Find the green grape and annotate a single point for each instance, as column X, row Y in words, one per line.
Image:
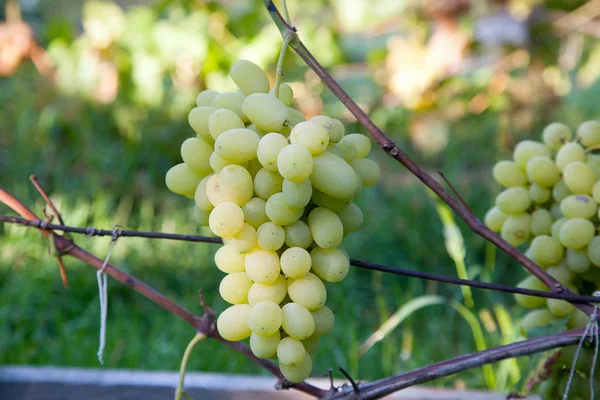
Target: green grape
column 508, row 174
column 561, row 272
column 269, row 148
column 335, row 127
column 262, row 266
column 532, row 283
column 576, row 233
column 578, row 206
column 593, row 251
column 196, row 153
column 546, row 250
column 200, row 196
column 559, row 308
column 596, row 192
column 265, row 318
column 541, row 222
column 254, row 212
column 528, row 149
column 295, row 163
column 560, row 191
column 235, row 184
column 529, row 254
column 568, row 154
column 555, row 211
column 290, row 352
column 308, row 291
column 286, row 94
column 588, row 133
column 578, row 320
column 234, row 288
column 256, row 129
column 577, row 260
column 593, row 160
column 294, row 117
column 556, row 135
column 223, row 120
column 513, row 201
column 557, row 226
column 579, row 177
column 334, row 149
column 232, row 101
column 232, row 324
column 331, row 265
column 267, row 183
column 535, row 318
column 264, row 347
column 324, row 321
column 494, row 219
column 229, row 259
column 326, row 227
column 270, row 236
column 538, row 194
column 249, row 77
column 253, row 167
column 298, row 322
column 295, row 262
column 198, row 120
column 217, row 163
column 280, row 213
column 298, row 235
column 310, row 135
column 352, row 218
column 515, row 229
column 333, row 176
column 205, row 98
column 337, row 205
column 345, row 150
column 275, row 291
column 361, row 142
column 297, row 194
column 213, row 191
column 543, row 171
column 226, row 220
column 265, row 111
column 180, row 179
column 311, row 344
column 237, row 145
column 367, row 170
column 298, row 373
column 245, row 240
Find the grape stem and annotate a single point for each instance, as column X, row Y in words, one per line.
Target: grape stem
column 180, row 391
column 287, row 39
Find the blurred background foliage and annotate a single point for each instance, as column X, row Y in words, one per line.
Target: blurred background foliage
column 94, row 98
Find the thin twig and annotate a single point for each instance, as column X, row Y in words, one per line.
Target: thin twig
column 352, row 382
column 462, row 200
column 180, row 390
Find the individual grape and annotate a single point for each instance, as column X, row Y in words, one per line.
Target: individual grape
column 508, row 174
column 578, row 206
column 557, row 226
column 298, row 373
column 528, row 149
column 256, row 129
column 201, row 216
column 337, row 205
column 311, row 344
column 534, row 319
column 532, row 283
column 234, row 288
column 280, row 213
column 297, row 194
column 226, row 220
column 270, row 236
column 196, row 153
column 561, row 272
column 232, row 324
column 294, row 118
column 560, row 191
column 310, row 135
column 230, row 260
column 298, row 322
column 275, row 291
column 555, row 211
column 345, row 150
column 361, row 142
column 223, row 120
column 593, row 251
column 295, row 262
column 331, row 265
column 213, row 190
column 326, row 227
column 237, row 145
column 265, row 111
column 334, row 149
column 538, row 194
column 568, row 154
column 262, row 266
column 576, row 233
column 180, row 179
column 253, row 167
column 513, row 201
column 333, row 176
column 541, row 222
column 254, row 212
column 596, row 192
column 547, row 250
column 269, row 148
column 200, row 196
column 588, row 133
column 198, row 120
column 286, row 94
column 235, row 184
column 249, row 77
column 515, row 229
column 578, row 320
column 290, row 352
column 298, row 235
column 556, row 135
column 267, row 183
column 264, row 347
column 494, row 219
column 295, row 163
column 593, row 160
column 529, row 254
column 543, row 171
column 245, row 240
column 559, row 308
column 335, row 128
column 352, row 218
column 324, row 320
column 579, row 177
column 205, row 97
column 308, row 291
column 367, row 170
column 232, row 101
column 265, row 318
column 217, row 163
column 577, row 260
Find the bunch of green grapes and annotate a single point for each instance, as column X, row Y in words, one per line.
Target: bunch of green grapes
column 279, row 190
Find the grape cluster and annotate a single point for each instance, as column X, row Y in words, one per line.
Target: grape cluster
column 279, row 190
